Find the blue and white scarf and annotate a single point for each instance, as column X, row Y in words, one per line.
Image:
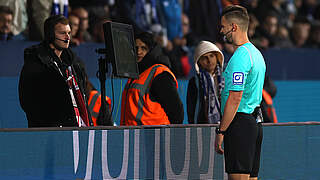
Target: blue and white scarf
column 209, row 94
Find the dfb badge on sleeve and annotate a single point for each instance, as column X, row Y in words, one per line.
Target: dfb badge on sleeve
column 237, row 78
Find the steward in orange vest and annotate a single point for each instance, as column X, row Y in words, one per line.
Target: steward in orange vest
column 268, row 92
column 270, row 112
column 152, row 99
column 94, row 104
column 94, row 101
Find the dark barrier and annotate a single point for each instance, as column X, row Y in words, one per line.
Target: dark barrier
column 289, row 151
column 159, row 152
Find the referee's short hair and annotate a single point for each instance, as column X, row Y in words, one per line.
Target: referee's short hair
column 238, row 15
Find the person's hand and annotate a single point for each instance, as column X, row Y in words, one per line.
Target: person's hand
column 218, row 144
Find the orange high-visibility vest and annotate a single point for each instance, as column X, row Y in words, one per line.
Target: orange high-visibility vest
column 94, row 104
column 137, row 108
column 270, row 109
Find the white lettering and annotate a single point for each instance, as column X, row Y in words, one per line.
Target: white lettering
column 90, row 154
column 208, row 175
column 136, row 153
column 104, row 155
column 75, row 150
column 185, row 170
column 157, row 154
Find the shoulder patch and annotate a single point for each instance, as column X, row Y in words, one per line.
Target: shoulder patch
column 237, row 78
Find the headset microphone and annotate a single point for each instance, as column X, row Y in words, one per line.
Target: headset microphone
column 65, row 41
column 225, row 39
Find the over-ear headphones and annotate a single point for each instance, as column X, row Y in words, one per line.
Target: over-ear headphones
column 49, row 25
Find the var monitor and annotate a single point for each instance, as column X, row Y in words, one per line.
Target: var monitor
column 121, row 51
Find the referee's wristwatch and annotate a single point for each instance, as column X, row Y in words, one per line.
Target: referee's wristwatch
column 218, row 131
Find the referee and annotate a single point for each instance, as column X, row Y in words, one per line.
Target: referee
column 240, row 129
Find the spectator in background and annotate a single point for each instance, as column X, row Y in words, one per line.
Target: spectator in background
column 282, row 38
column 153, row 98
column 20, row 17
column 292, row 9
column 83, row 35
column 251, row 5
column 38, row 11
column 6, row 16
column 179, row 56
column 74, row 24
column 97, row 30
column 245, row 3
column 308, row 9
column 226, row 3
column 266, row 32
column 125, row 13
column 161, row 38
column 314, row 38
column 253, row 24
column 185, row 28
column 188, row 37
column 316, row 14
column 169, row 13
column 300, row 32
column 297, row 3
column 204, row 18
column 97, row 8
column 204, row 89
column 275, row 7
column 142, row 14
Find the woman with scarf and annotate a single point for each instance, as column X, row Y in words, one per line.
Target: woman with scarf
column 204, row 89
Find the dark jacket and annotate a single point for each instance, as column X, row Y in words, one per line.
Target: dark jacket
column 192, row 98
column 43, row 92
column 271, row 89
column 163, row 88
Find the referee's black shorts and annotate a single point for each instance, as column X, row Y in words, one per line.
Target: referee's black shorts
column 242, row 145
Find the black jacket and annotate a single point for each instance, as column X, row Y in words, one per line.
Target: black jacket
column 271, row 89
column 163, row 88
column 192, row 98
column 43, row 91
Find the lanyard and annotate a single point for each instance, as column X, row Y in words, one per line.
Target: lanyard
column 72, row 83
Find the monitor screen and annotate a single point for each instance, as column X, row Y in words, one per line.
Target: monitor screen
column 121, row 51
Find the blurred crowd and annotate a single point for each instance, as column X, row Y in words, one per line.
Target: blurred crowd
column 178, row 25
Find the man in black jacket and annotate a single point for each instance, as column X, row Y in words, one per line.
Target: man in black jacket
column 51, row 82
